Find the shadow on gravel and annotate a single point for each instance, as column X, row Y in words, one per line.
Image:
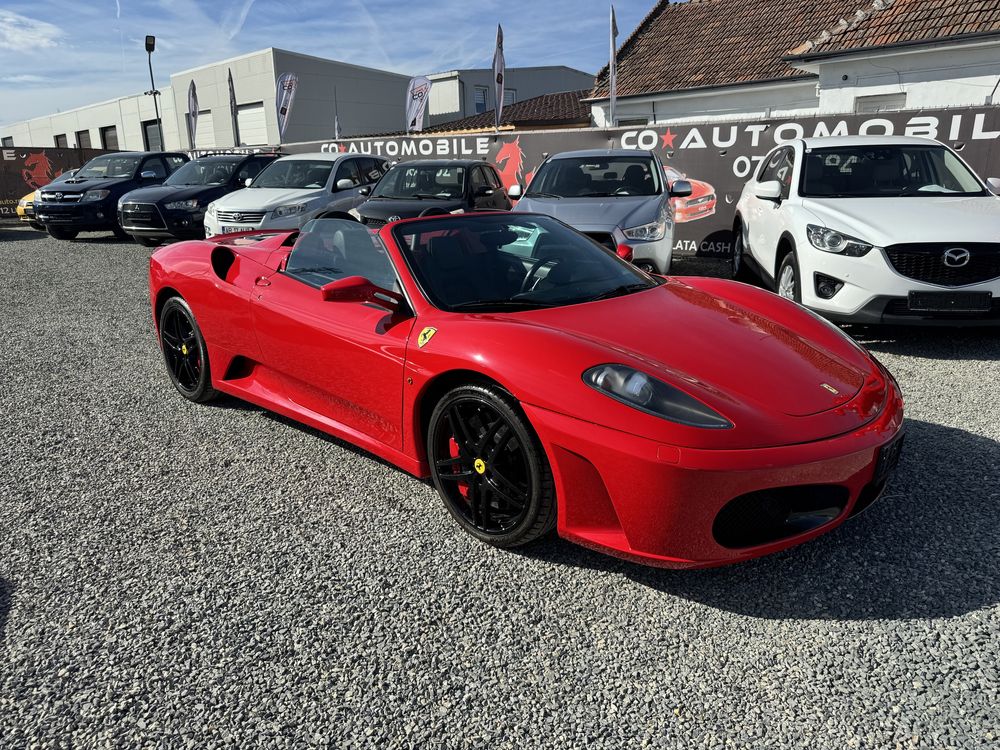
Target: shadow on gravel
column 981, row 343
column 928, row 548
column 19, row 235
column 6, row 592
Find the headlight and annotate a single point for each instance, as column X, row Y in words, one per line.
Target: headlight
column 355, row 213
column 291, row 210
column 457, row 211
column 830, row 241
column 38, row 196
column 95, row 195
column 188, row 205
column 647, row 232
column 211, row 209
column 22, row 203
column 646, row 393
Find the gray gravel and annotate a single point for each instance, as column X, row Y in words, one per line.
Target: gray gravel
column 174, row 575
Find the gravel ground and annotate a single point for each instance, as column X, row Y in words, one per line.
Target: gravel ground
column 174, row 575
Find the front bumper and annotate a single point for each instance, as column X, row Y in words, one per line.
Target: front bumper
column 213, row 226
column 658, row 253
column 84, row 217
column 152, row 220
column 659, row 505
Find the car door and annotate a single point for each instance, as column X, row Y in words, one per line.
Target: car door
column 766, row 221
column 478, row 184
column 342, row 360
column 347, row 169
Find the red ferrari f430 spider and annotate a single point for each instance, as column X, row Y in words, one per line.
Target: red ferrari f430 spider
column 541, row 381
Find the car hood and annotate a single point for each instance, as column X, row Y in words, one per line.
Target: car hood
column 170, row 193
column 383, row 208
column 889, row 221
column 586, row 213
column 82, row 186
column 265, row 199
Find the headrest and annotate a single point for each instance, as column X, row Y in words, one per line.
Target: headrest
column 498, row 238
column 446, row 252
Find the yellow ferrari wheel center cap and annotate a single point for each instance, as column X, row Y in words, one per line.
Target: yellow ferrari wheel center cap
column 479, row 466
column 184, row 349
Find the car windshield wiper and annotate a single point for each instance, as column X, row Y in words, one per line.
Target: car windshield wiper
column 596, row 195
column 505, row 303
column 392, row 197
column 431, row 196
column 535, row 194
column 621, row 291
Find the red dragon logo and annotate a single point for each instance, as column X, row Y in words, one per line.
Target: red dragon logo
column 510, row 161
column 38, row 172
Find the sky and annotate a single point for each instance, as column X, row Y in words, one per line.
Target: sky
column 60, row 54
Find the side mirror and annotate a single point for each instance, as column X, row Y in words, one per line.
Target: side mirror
column 360, row 289
column 680, row 189
column 768, row 191
column 483, row 192
column 366, row 190
column 247, row 181
column 515, row 191
column 993, row 183
column 147, row 175
column 344, row 184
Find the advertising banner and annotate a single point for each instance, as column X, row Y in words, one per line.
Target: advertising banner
column 717, row 158
column 417, row 93
column 23, row 170
column 234, row 111
column 193, row 114
column 499, row 67
column 284, row 96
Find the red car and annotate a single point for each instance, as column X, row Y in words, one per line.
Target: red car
column 541, row 381
column 698, row 205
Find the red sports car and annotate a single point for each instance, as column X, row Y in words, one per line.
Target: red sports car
column 541, row 381
column 698, row 205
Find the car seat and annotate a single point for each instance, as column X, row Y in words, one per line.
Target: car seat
column 635, row 180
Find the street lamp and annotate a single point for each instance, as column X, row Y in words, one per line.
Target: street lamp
column 150, row 46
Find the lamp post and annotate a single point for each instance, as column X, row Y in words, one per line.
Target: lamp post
column 150, row 46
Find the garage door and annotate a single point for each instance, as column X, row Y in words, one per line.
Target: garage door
column 253, row 126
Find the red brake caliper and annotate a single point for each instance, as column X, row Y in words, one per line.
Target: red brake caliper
column 463, row 487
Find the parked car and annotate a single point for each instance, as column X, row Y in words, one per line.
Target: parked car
column 680, row 423
column 285, row 191
column 699, row 205
column 177, row 207
column 26, row 211
column 433, row 186
column 370, row 170
column 88, row 202
column 619, row 198
column 871, row 229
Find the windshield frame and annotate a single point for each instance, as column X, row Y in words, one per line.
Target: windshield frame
column 235, row 163
column 428, row 224
column 534, row 189
column 108, row 157
column 801, row 184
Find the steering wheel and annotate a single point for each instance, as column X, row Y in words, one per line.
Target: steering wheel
column 529, row 280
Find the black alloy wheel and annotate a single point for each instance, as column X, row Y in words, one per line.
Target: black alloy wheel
column 738, row 267
column 489, row 468
column 184, row 351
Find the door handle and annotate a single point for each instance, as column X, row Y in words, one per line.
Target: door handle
column 262, row 281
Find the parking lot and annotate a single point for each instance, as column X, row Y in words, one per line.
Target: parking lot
column 216, row 576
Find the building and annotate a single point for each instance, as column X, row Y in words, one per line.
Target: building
column 462, row 93
column 564, row 109
column 707, row 60
column 362, row 99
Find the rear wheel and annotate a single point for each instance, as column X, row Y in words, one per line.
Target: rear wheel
column 738, row 268
column 789, row 283
column 184, row 351
column 489, row 468
column 62, row 234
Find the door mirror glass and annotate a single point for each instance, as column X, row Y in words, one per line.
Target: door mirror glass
column 680, row 189
column 993, row 183
column 248, row 181
column 768, row 191
column 344, row 184
column 366, row 190
column 515, row 191
column 148, row 175
column 483, row 192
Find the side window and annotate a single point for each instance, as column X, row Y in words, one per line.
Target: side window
column 493, row 178
column 769, row 167
column 371, row 171
column 348, row 170
column 175, row 162
column 785, row 169
column 331, row 249
column 154, row 165
column 249, row 170
column 479, row 179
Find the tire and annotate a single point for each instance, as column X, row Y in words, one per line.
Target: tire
column 788, row 281
column 737, row 267
column 62, row 234
column 36, row 225
column 120, row 233
column 184, row 352
column 147, row 241
column 489, row 467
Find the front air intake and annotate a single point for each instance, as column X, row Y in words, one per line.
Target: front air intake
column 771, row 515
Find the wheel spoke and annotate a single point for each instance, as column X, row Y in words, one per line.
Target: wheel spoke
column 506, row 489
column 499, row 441
column 457, row 476
column 448, row 462
column 460, row 430
column 490, row 434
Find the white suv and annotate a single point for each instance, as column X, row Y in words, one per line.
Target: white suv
column 871, row 229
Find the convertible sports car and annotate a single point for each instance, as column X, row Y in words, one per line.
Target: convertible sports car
column 541, row 381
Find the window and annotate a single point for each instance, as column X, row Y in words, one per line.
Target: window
column 175, row 162
column 8, row 141
column 156, row 166
column 151, row 135
column 479, row 180
column 294, row 174
column 251, row 169
column 779, row 167
column 331, row 249
column 348, row 170
column 596, row 176
column 372, row 170
column 83, row 139
column 509, row 96
column 870, row 105
column 482, row 96
column 415, row 179
column 61, row 141
column 493, row 177
column 109, row 138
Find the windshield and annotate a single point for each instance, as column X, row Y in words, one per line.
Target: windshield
column 112, row 165
column 294, row 174
column 510, row 262
column 203, row 173
column 885, row 172
column 423, row 181
column 592, row 177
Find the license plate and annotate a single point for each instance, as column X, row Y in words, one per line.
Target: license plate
column 951, row 301
column 232, row 230
column 888, row 459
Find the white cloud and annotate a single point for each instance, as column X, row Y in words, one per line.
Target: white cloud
column 25, row 34
column 232, row 24
column 26, row 78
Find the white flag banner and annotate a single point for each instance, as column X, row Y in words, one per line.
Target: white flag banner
column 613, row 69
column 234, row 111
column 284, row 97
column 192, row 114
column 417, row 93
column 498, row 73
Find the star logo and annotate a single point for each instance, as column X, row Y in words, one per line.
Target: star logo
column 668, row 138
column 341, row 148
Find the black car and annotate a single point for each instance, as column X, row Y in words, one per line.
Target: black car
column 422, row 188
column 177, row 207
column 89, row 201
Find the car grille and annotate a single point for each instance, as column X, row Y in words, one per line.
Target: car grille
column 900, row 307
column 241, row 217
column 55, row 197
column 374, row 223
column 925, row 261
column 141, row 216
column 603, row 238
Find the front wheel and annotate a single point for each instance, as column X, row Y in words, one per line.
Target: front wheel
column 146, row 241
column 738, row 268
column 184, row 351
column 489, row 467
column 62, row 234
column 789, row 283
column 120, row 233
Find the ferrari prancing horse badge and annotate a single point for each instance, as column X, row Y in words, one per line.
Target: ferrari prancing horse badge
column 426, row 335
